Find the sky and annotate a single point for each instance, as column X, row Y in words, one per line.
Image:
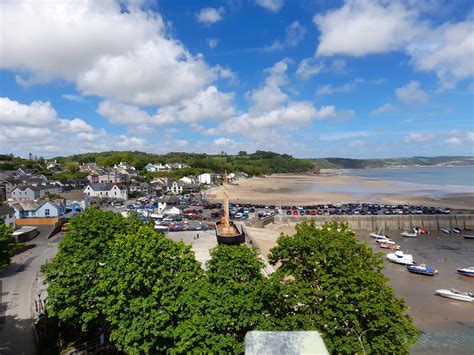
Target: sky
column 356, row 79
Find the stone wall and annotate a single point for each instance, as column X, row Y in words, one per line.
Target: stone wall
column 403, row 222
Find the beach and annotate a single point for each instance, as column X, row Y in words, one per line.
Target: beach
column 333, row 186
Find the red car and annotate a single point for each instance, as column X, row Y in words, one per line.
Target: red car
column 295, row 212
column 313, row 212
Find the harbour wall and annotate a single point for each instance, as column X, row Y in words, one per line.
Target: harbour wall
column 404, row 222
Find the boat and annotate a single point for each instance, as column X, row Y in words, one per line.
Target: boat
column 466, row 271
column 446, row 230
column 389, row 244
column 227, row 231
column 420, row 230
column 400, row 258
column 422, row 269
column 465, row 236
column 408, row 234
column 456, row 230
column 381, row 239
column 455, row 294
column 379, row 234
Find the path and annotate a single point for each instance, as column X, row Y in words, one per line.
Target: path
column 16, row 295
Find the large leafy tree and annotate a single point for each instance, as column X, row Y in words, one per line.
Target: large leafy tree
column 73, row 274
column 221, row 307
column 330, row 282
column 141, row 282
column 5, row 244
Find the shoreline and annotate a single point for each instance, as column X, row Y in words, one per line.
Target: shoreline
column 330, row 187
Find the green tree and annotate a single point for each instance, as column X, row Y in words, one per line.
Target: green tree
column 73, row 274
column 140, row 284
column 330, row 282
column 5, row 244
column 221, row 307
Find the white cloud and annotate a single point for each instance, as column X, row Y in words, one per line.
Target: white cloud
column 470, row 136
column 363, row 27
column 210, row 15
column 295, row 33
column 82, row 48
column 270, row 5
column 339, row 66
column 419, row 137
column 411, row 93
column 212, row 42
column 307, row 68
column 224, row 142
column 360, row 28
column 209, row 104
column 331, row 89
column 75, row 125
column 345, row 135
column 38, row 113
column 387, row 107
column 453, row 141
column 71, row 97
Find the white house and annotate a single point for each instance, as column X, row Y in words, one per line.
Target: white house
column 206, row 178
column 151, row 168
column 188, row 180
column 111, row 191
column 7, row 214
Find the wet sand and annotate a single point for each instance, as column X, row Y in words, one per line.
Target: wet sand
column 291, row 189
column 447, row 325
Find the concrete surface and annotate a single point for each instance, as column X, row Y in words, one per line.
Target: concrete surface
column 207, row 241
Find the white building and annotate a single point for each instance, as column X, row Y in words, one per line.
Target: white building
column 188, row 180
column 206, row 178
column 112, row 191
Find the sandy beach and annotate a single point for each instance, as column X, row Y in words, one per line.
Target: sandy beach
column 331, row 187
column 447, row 325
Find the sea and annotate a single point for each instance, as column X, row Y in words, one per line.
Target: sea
column 448, row 176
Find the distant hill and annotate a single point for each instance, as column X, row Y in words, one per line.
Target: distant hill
column 347, row 163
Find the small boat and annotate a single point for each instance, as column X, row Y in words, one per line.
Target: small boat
column 400, row 258
column 380, row 233
column 408, row 234
column 456, row 294
column 466, row 271
column 422, row 269
column 446, row 230
column 456, row 230
column 420, row 230
column 389, row 244
column 465, row 236
column 381, row 238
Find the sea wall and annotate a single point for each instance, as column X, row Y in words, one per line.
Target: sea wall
column 404, row 222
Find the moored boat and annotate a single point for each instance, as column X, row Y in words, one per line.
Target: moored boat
column 380, row 233
column 465, row 236
column 400, row 258
column 422, row 269
column 456, row 230
column 466, row 271
column 389, row 245
column 408, row 234
column 446, row 230
column 455, row 294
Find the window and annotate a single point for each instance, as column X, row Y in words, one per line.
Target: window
column 46, row 212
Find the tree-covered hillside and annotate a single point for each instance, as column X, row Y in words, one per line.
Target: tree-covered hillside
column 257, row 163
column 347, row 163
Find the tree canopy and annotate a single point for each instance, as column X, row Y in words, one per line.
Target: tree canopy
column 5, row 244
column 328, row 281
column 157, row 298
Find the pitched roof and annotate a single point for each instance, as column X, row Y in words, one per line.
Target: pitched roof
column 105, row 186
column 5, row 209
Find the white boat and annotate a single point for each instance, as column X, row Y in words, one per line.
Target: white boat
column 466, row 271
column 380, row 239
column 456, row 294
column 380, row 233
column 400, row 258
column 408, row 234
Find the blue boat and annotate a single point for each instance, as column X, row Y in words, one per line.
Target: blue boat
column 422, row 269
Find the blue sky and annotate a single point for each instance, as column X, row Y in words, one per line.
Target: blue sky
column 361, row 79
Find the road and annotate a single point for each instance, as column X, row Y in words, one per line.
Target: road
column 16, row 294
